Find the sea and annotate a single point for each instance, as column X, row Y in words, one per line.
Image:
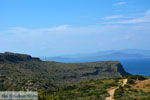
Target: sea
column 137, row 66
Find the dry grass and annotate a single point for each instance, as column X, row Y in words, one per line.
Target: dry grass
column 142, row 85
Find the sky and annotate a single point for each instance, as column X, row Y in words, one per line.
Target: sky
column 59, row 27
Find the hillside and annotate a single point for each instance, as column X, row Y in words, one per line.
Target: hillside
column 127, row 88
column 23, row 72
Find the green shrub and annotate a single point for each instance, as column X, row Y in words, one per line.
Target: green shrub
column 69, row 87
column 119, row 92
column 136, row 77
column 127, row 86
column 131, row 81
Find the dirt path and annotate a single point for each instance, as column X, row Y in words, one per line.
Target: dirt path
column 124, row 82
column 112, row 90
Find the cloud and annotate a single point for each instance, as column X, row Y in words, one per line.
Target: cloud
column 120, row 3
column 112, row 17
column 65, row 39
column 59, row 28
column 22, row 30
column 144, row 19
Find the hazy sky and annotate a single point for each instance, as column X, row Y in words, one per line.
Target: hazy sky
column 58, row 27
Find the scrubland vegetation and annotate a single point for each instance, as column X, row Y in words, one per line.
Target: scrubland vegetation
column 69, row 81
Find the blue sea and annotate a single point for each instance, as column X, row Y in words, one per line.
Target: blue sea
column 137, row 66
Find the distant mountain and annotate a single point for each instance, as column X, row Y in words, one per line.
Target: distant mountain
column 103, row 56
column 23, row 72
